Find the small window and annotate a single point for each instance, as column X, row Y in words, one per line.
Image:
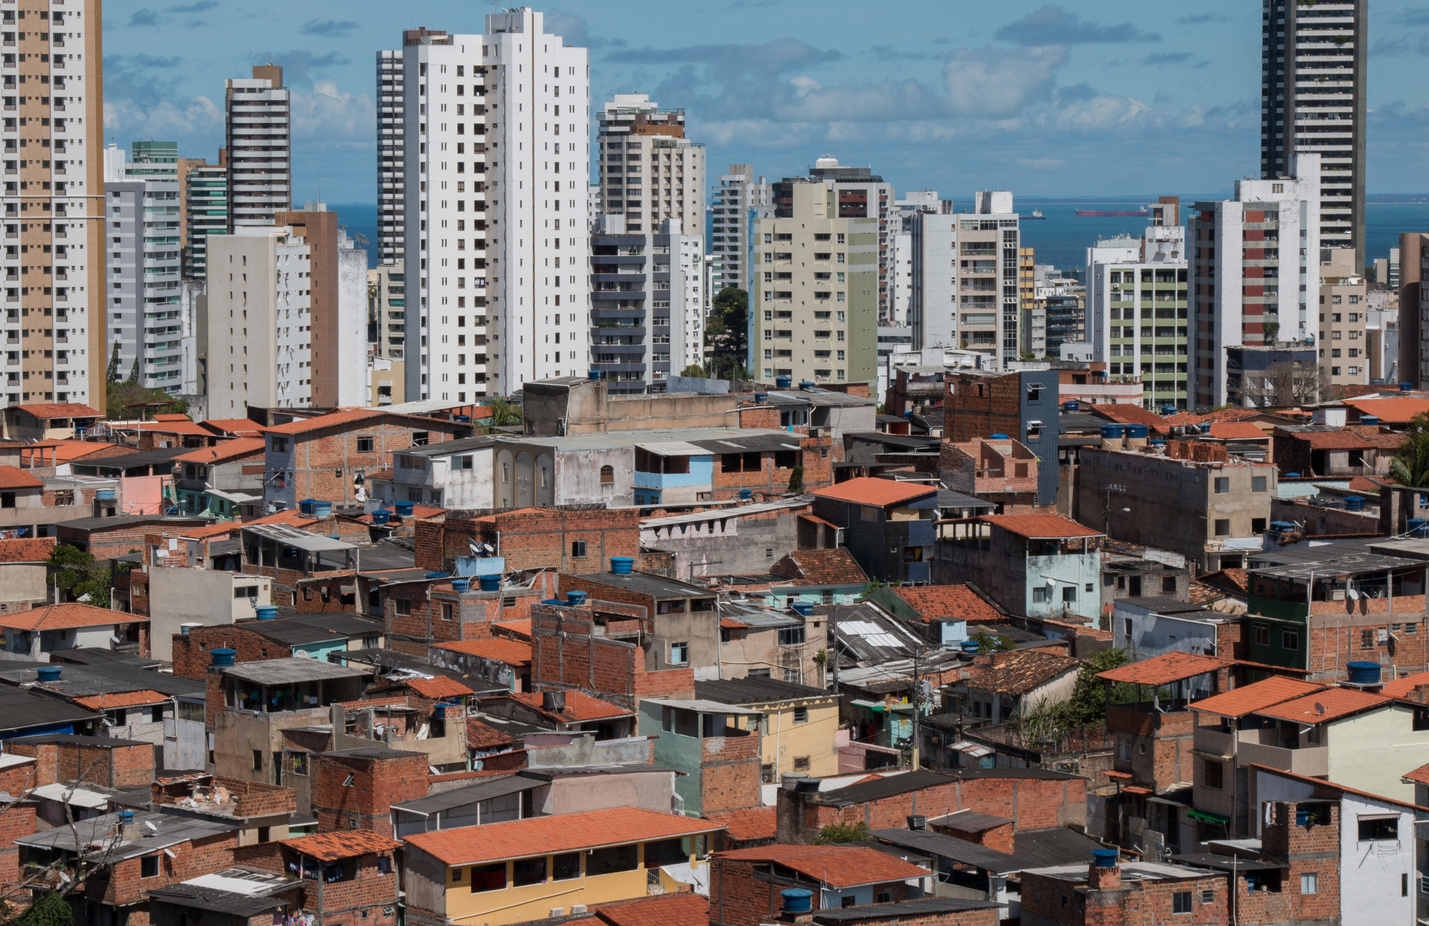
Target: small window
column 280, row 445
column 447, row 610
column 1223, row 527
column 1289, row 639
column 801, row 763
column 1069, row 594
column 1379, row 828
column 566, row 867
column 1039, row 595
column 1257, row 525
column 149, row 866
column 364, row 445
column 1309, row 882
column 1262, row 634
column 607, row 475
column 577, row 549
column 528, row 871
column 680, row 654
column 1366, row 639
column 257, row 760
column 402, row 606
column 801, row 715
column 1168, row 584
column 488, row 878
column 1181, row 902
column 1223, row 485
column 1208, row 897
column 1257, row 483
column 1215, row 774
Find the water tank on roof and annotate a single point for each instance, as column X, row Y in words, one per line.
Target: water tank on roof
column 1369, row 420
column 1113, row 431
column 405, row 509
column 266, row 612
column 223, row 656
column 1363, row 673
column 321, row 509
column 797, row 899
column 1354, row 502
column 576, row 598
column 622, row 565
column 48, row 673
column 783, row 382
column 490, row 583
column 1104, row 858
column 1418, row 527
column 461, row 586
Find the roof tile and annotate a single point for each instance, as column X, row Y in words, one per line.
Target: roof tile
column 1325, row 705
column 837, row 866
column 580, row 707
column 959, row 602
column 1019, row 672
column 681, row 909
column 228, row 450
column 869, row 490
column 820, row 567
column 1040, row 526
column 60, row 410
column 1236, row 430
column 438, row 687
column 747, row 824
column 12, row 477
column 102, row 702
column 330, row 420
column 66, row 616
column 567, row 832
column 1404, row 686
column 497, row 649
column 329, row 847
column 1256, row 696
column 26, row 549
column 1164, row 669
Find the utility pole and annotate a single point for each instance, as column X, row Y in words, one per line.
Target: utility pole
column 832, row 656
column 1106, row 514
column 917, row 707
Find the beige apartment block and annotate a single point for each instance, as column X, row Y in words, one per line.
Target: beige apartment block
column 1344, row 312
column 813, row 297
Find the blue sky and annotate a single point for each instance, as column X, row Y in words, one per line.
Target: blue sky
column 1078, row 98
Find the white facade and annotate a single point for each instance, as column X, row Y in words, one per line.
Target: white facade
column 692, row 270
column 258, row 349
column 49, row 201
column 353, row 384
column 497, row 155
column 732, row 199
column 259, row 137
column 143, row 260
column 390, row 173
column 1246, row 273
column 965, row 277
column 901, row 278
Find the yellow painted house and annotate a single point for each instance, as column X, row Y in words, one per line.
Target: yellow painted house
column 529, row 869
column 799, row 726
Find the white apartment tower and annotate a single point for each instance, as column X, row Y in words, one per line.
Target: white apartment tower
column 1254, row 275
column 733, row 200
column 965, row 277
column 143, row 262
column 391, row 174
column 53, row 295
column 257, row 345
column 496, row 155
column 259, row 139
column 649, row 170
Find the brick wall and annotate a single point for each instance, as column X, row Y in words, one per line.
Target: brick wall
column 377, row 784
column 358, row 900
column 746, row 893
column 534, row 538
column 1339, row 631
column 998, row 838
column 566, row 653
column 1030, row 803
column 324, row 594
column 124, row 884
column 1161, row 749
column 15, row 821
column 772, row 480
column 976, row 406
column 323, row 462
column 1129, row 903
column 106, row 765
column 1306, row 849
column 729, row 773
column 192, row 652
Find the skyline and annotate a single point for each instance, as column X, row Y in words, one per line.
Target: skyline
column 953, row 112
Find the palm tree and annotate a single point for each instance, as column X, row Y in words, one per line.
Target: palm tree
column 1410, row 466
column 504, row 413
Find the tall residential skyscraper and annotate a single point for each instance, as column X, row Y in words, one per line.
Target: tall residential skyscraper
column 1312, row 98
column 1254, row 275
column 259, row 135
column 497, row 159
column 54, row 308
column 391, row 198
column 732, row 201
column 142, row 262
column 649, row 170
column 864, row 194
column 204, row 188
column 813, row 299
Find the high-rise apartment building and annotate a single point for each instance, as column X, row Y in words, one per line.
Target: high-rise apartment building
column 1344, row 319
column 1034, row 316
column 204, row 188
column 337, row 306
column 256, row 338
column 1312, row 98
column 259, row 142
column 1138, row 313
column 53, row 295
column 387, row 309
column 391, row 174
column 638, row 316
column 649, row 171
column 1413, row 308
column 813, row 298
column 733, row 201
column 496, row 157
column 1254, row 274
column 864, row 194
column 142, row 251
column 965, row 277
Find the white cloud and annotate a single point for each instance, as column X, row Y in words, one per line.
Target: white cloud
column 995, row 84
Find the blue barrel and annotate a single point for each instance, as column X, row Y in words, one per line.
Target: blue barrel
column 745, row 495
column 105, row 495
column 761, row 397
column 48, row 673
column 462, row 419
column 305, row 506
column 970, row 646
column 381, row 516
column 1137, row 431
column 1302, row 817
column 437, row 575
column 997, row 437
column 1168, row 409
column 783, row 382
column 576, row 598
column 460, row 586
column 1070, row 406
column 1282, row 527
column 594, row 375
column 807, row 384
column 802, row 608
column 797, row 900
column 322, row 509
column 1104, row 858
column 1363, row 673
column 405, row 509
column 1418, row 527
column 490, row 583
column 223, row 656
column 1113, row 431
column 1406, row 387
column 1372, row 420
column 622, row 565
column 266, row 612
column 1354, row 502
column 126, row 817
column 1292, row 475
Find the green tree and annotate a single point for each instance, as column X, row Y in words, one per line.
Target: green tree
column 841, row 832
column 873, row 586
column 796, row 479
column 111, row 372
column 1088, row 703
column 1410, row 466
column 694, row 370
column 48, row 910
column 727, row 333
column 75, row 573
column 122, row 395
column 993, row 643
column 504, row 414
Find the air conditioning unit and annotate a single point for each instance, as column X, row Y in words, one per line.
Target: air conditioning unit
column 558, row 911
column 1337, row 594
column 577, row 909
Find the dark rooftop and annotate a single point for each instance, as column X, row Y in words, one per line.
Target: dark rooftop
column 644, row 583
column 755, row 691
column 27, row 709
column 921, row 907
column 904, row 782
column 482, row 790
column 938, row 845
column 107, row 677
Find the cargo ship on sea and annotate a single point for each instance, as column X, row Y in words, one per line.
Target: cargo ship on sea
column 1036, row 214
column 1143, row 212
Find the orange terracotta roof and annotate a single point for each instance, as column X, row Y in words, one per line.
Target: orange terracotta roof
column 1040, row 526
column 216, row 529
column 481, row 735
column 1112, row 773
column 1329, row 440
column 1128, row 413
column 567, row 832
column 1164, row 669
column 1384, row 440
column 958, row 602
column 66, row 616
column 438, row 687
column 1324, row 705
column 745, row 825
column 1391, row 411
column 685, row 908
column 517, row 628
column 60, row 410
column 1257, row 696
column 1019, row 672
column 121, row 699
column 867, row 490
column 580, row 707
column 228, row 450
column 66, row 450
column 837, row 866
column 174, row 416
column 239, row 426
column 1404, row 686
column 1420, row 775
column 26, row 549
column 12, row 477
column 329, row 847
column 290, row 516
column 155, row 426
column 729, row 623
column 497, row 649
column 1236, row 430
column 330, row 420
column 820, row 567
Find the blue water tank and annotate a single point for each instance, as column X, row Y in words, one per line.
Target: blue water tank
column 745, row 495
column 321, row 509
column 783, row 382
column 305, row 506
column 266, row 612
column 576, row 598
column 1406, row 387
column 1369, row 420
column 594, row 374
column 1104, row 858
column 434, row 574
column 1363, row 673
column 622, row 565
column 461, row 586
column 381, row 516
column 490, row 583
column 223, row 656
column 802, row 608
column 970, row 646
column 1113, row 431
column 1139, row 431
column 761, row 397
column 48, row 673
column 797, row 900
column 405, row 509
column 1354, row 503
column 1418, row 527
column 807, row 384
column 105, row 495
column 1292, row 475
column 1071, row 405
column 997, row 437
column 1282, row 527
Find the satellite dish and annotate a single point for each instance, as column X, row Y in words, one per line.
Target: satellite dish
column 303, row 654
column 473, row 547
column 151, row 827
column 1319, row 709
column 1354, row 595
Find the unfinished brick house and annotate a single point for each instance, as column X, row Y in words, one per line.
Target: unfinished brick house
column 568, row 540
column 998, row 470
column 1112, row 893
column 347, row 878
